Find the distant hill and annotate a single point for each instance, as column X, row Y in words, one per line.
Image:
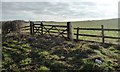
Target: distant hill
column 108, row 23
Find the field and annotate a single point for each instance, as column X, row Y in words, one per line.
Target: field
column 109, row 24
column 22, row 53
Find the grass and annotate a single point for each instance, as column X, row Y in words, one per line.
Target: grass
column 45, row 53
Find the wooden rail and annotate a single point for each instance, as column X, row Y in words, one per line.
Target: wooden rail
column 102, row 36
column 25, row 28
column 99, row 29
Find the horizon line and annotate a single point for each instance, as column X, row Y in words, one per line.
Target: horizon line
column 88, row 19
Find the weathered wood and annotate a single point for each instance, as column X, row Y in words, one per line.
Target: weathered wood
column 57, row 29
column 102, row 36
column 26, row 27
column 111, row 29
column 57, row 26
column 102, row 28
column 37, row 29
column 69, row 30
column 87, row 35
column 111, row 37
column 77, row 35
column 41, row 28
column 57, row 32
column 31, row 27
column 88, row 28
column 98, row 29
column 48, row 30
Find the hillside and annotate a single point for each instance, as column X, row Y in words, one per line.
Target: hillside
column 108, row 23
column 41, row 53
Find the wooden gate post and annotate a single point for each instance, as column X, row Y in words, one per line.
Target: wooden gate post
column 102, row 28
column 77, row 36
column 41, row 28
column 69, row 31
column 31, row 27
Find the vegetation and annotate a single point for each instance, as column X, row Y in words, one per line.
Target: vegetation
column 14, row 26
column 46, row 53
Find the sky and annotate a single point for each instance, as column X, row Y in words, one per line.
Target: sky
column 59, row 10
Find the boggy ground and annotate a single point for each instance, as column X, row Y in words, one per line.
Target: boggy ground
column 23, row 53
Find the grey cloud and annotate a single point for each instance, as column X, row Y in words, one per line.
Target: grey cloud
column 88, row 3
column 74, row 9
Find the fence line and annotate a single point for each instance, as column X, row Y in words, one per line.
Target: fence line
column 102, row 36
column 66, row 31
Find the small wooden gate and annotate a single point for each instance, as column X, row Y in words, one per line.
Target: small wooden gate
column 56, row 30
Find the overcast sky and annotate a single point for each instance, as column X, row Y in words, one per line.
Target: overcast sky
column 59, row 10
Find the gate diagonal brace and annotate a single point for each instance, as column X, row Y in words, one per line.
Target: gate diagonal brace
column 61, row 33
column 48, row 30
column 37, row 29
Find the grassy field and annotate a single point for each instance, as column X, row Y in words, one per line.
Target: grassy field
column 109, row 24
column 41, row 53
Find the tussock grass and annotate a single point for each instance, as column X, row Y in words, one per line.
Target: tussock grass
column 43, row 53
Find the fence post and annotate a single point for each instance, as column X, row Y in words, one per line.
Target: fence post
column 77, row 36
column 102, row 28
column 69, row 31
column 41, row 28
column 31, row 27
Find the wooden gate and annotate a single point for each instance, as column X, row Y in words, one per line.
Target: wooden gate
column 56, row 30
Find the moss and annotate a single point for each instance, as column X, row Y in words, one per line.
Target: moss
column 44, row 68
column 44, row 53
